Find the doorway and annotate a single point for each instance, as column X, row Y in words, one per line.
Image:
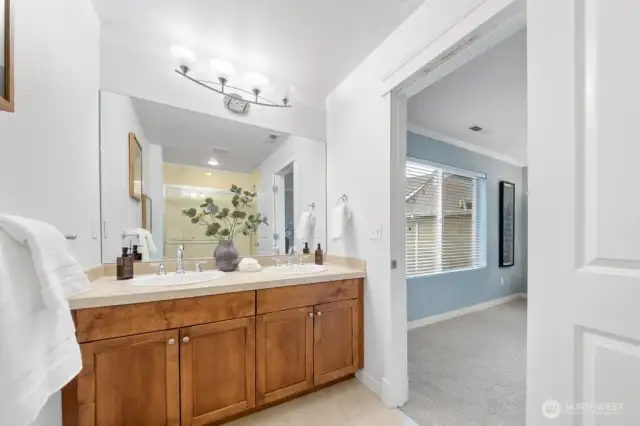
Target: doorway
column 446, row 229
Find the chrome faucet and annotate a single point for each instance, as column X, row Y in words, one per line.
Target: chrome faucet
column 292, row 252
column 180, row 260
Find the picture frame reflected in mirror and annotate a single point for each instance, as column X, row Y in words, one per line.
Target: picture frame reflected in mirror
column 135, row 168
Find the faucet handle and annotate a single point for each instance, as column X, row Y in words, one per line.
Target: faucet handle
column 198, row 267
column 161, row 270
column 277, row 261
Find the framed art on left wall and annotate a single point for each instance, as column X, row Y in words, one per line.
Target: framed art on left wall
column 7, row 101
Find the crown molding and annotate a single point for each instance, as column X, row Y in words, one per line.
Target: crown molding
column 423, row 131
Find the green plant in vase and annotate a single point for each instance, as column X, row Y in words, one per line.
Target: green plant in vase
column 225, row 224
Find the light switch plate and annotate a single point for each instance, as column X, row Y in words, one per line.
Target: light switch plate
column 376, row 233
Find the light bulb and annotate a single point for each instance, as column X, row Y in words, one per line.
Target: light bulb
column 182, row 53
column 222, row 68
column 257, row 80
column 213, row 162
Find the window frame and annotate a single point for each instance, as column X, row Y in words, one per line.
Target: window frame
column 480, row 209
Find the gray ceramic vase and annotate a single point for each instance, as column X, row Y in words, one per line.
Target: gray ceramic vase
column 226, row 255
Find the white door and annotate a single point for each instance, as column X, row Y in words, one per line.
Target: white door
column 583, row 365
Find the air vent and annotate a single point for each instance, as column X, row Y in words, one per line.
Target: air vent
column 272, row 138
column 451, row 53
column 219, row 151
column 475, row 128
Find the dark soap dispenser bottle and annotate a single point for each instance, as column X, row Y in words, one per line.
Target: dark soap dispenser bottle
column 124, row 265
column 319, row 255
column 306, row 250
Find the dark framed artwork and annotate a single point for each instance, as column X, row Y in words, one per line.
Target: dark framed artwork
column 507, row 223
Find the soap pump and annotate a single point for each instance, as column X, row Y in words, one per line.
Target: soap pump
column 124, row 265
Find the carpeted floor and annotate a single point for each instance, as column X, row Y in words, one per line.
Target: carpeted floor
column 470, row 370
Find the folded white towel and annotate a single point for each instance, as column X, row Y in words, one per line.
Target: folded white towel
column 306, row 227
column 339, row 218
column 249, row 264
column 59, row 274
column 40, row 354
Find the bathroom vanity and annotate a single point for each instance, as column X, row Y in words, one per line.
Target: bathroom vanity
column 210, row 352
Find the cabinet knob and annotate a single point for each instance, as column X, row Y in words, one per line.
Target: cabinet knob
column 172, row 341
column 319, row 314
column 185, row 339
column 310, row 314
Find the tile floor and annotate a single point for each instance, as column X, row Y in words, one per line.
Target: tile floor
column 347, row 403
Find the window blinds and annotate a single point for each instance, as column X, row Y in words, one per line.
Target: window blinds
column 443, row 228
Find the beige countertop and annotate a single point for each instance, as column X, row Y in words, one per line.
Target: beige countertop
column 108, row 291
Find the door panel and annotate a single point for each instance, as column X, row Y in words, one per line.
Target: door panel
column 336, row 340
column 217, row 370
column 284, row 354
column 130, row 381
column 584, row 227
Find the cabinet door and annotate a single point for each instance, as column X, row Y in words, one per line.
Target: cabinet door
column 129, row 381
column 337, row 331
column 284, row 354
column 217, row 370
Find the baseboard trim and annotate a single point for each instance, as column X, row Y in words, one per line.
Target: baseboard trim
column 372, row 384
column 463, row 311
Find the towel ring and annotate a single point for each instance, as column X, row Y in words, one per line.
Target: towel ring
column 344, row 199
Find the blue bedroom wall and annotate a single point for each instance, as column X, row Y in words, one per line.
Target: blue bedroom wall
column 437, row 294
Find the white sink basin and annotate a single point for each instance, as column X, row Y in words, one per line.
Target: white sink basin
column 172, row 279
column 297, row 269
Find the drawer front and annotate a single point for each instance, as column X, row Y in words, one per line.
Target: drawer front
column 282, row 298
column 125, row 320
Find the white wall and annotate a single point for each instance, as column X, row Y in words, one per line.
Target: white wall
column 359, row 158
column 309, row 186
column 49, row 146
column 119, row 211
column 144, row 75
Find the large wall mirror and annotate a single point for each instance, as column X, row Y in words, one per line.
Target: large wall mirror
column 193, row 166
column 6, row 57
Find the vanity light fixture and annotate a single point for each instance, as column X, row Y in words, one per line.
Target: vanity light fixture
column 233, row 96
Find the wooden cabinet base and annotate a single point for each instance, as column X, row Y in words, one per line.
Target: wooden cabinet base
column 213, row 359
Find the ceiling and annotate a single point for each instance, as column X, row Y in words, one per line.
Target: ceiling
column 189, row 138
column 489, row 91
column 311, row 45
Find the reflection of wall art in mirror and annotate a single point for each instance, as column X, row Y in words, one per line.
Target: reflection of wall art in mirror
column 135, row 167
column 6, row 57
column 507, row 223
column 147, row 216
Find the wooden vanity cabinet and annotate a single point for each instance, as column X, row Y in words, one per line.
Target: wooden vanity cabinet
column 336, row 334
column 284, row 351
column 126, row 381
column 217, row 370
column 204, row 360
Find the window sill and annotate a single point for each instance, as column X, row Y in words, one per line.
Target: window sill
column 433, row 274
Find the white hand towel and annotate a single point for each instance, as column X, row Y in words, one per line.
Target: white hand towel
column 339, row 218
column 40, row 353
column 306, row 227
column 145, row 243
column 59, row 274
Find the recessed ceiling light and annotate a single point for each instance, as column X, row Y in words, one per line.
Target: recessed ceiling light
column 213, row 162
